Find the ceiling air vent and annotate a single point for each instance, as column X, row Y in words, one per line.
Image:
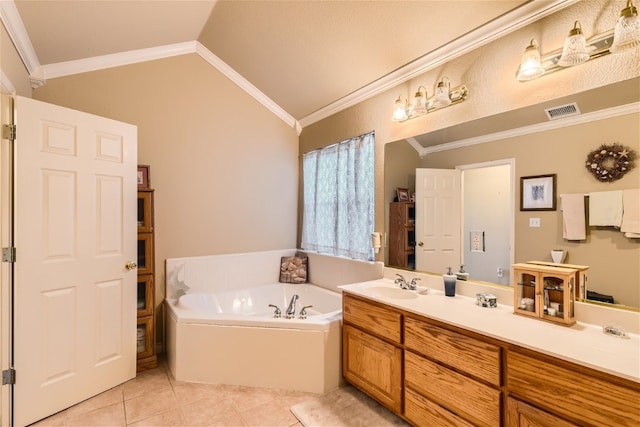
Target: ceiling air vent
column 562, row 111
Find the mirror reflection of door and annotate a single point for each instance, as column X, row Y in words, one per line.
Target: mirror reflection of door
column 437, row 220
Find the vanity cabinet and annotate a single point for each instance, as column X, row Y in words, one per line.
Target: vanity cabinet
column 434, row 374
column 146, row 357
column 545, row 388
column 371, row 353
column 545, row 292
column 457, row 376
column 402, row 234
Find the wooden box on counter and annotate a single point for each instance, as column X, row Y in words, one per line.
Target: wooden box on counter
column 546, row 292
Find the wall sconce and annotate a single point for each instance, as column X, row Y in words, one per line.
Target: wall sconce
column 422, row 104
column 577, row 49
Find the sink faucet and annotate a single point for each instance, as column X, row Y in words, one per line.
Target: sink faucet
column 403, row 283
column 291, row 310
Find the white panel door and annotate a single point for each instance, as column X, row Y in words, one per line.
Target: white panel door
column 437, row 220
column 75, row 231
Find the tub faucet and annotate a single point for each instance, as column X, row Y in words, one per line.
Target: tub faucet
column 291, row 310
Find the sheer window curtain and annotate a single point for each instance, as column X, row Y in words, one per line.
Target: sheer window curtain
column 338, row 212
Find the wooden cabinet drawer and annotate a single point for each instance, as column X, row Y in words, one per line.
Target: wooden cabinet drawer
column 420, row 411
column 570, row 391
column 475, row 357
column 378, row 320
column 467, row 398
column 520, row 414
column 374, row 366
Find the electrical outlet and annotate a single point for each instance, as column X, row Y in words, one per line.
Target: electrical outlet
column 534, row 222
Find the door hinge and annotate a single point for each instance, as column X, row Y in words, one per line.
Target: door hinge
column 9, row 132
column 9, row 254
column 9, row 376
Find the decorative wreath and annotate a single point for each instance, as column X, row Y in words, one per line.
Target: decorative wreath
column 610, row 162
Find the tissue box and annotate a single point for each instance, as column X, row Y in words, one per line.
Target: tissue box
column 484, row 299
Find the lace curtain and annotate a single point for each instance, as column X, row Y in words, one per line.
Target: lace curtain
column 339, row 198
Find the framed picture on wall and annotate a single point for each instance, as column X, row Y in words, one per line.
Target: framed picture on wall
column 143, row 176
column 403, row 194
column 538, row 193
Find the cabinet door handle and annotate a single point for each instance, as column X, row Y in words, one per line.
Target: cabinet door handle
column 420, row 243
column 131, row 265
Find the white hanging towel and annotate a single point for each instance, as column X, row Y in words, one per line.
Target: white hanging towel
column 573, row 222
column 605, row 208
column 631, row 213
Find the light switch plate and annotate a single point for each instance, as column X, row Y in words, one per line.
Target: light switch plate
column 534, row 222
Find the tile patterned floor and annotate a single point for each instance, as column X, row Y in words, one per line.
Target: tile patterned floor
column 155, row 398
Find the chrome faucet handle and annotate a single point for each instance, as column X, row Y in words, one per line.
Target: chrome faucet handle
column 277, row 313
column 400, row 281
column 413, row 285
column 303, row 312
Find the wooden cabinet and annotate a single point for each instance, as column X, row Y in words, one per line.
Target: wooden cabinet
column 546, row 292
column 573, row 393
column 457, row 374
column 147, row 358
column 402, row 235
column 370, row 363
column 435, row 374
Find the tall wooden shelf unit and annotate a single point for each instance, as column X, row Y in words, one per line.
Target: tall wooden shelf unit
column 402, row 236
column 146, row 342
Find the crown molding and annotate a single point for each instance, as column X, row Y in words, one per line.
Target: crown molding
column 5, row 84
column 95, row 63
column 496, row 29
column 18, row 34
column 244, row 84
column 608, row 113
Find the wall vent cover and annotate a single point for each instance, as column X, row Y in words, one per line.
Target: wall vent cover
column 561, row 111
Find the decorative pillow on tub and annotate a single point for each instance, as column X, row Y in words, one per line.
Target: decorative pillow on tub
column 293, row 269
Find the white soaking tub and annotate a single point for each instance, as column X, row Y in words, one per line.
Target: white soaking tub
column 231, row 337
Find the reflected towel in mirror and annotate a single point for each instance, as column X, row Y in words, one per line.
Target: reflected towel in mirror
column 573, row 220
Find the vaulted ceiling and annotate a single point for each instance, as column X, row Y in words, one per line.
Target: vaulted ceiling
column 305, row 56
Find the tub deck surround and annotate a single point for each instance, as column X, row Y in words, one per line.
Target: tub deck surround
column 220, row 328
column 582, row 343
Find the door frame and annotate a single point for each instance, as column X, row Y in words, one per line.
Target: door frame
column 512, row 222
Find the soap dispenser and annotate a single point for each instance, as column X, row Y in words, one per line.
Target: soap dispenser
column 462, row 275
column 449, row 283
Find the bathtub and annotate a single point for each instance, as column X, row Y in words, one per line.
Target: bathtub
column 220, row 329
column 232, row 337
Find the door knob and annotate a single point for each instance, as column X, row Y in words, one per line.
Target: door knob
column 131, row 265
column 420, row 243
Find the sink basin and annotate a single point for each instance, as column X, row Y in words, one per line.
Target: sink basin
column 392, row 293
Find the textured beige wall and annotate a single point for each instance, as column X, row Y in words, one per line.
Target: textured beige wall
column 614, row 260
column 12, row 65
column 489, row 73
column 224, row 168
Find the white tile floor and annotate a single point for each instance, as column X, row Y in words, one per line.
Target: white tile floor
column 154, row 398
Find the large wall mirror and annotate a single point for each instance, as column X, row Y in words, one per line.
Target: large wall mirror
column 536, row 149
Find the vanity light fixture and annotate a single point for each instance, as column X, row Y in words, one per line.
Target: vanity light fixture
column 627, row 30
column 530, row 65
column 578, row 49
column 422, row 104
column 442, row 97
column 574, row 51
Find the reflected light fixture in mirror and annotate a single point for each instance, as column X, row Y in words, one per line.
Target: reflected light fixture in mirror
column 574, row 51
column 625, row 35
column 627, row 30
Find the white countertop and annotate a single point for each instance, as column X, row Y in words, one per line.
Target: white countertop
column 581, row 343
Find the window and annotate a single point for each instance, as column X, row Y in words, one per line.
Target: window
column 338, row 210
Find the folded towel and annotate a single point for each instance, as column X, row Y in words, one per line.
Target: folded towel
column 632, row 235
column 605, row 208
column 631, row 212
column 573, row 222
